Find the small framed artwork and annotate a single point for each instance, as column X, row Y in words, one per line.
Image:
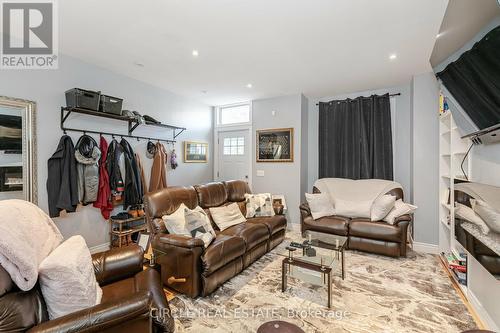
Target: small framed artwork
column 144, row 241
column 275, row 145
column 195, row 152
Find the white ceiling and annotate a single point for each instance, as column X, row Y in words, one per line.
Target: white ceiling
column 463, row 19
column 317, row 47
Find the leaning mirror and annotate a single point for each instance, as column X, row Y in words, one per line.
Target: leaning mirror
column 18, row 149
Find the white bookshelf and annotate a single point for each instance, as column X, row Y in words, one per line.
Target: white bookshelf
column 452, row 151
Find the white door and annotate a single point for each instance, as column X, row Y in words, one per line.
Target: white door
column 234, row 155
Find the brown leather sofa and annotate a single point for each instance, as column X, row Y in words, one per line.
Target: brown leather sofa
column 129, row 292
column 189, row 268
column 363, row 235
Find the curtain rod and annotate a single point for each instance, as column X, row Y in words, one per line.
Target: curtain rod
column 390, row 95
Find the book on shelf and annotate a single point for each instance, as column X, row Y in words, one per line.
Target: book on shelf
column 455, row 263
column 461, row 277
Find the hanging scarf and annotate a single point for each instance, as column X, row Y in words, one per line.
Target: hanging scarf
column 104, row 194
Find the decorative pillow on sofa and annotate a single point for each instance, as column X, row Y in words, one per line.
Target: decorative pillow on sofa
column 67, row 279
column 198, row 225
column 349, row 208
column 382, row 206
column 469, row 215
column 320, row 205
column 176, row 222
column 400, row 208
column 489, row 214
column 259, row 205
column 227, row 216
column 190, row 222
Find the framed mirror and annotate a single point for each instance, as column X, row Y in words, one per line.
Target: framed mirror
column 18, row 165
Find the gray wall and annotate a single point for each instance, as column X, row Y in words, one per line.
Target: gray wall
column 401, row 119
column 425, row 157
column 47, row 87
column 304, row 146
column 280, row 178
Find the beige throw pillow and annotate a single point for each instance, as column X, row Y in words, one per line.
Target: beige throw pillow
column 320, row 205
column 468, row 214
column 258, row 205
column 353, row 208
column 400, row 208
column 67, row 279
column 227, row 216
column 489, row 215
column 382, row 206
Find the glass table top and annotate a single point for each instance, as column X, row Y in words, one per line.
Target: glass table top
column 323, row 250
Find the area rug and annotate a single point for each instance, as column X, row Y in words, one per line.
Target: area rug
column 379, row 294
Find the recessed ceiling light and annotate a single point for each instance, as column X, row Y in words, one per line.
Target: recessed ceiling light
column 139, row 64
column 393, row 56
column 249, row 85
column 195, row 53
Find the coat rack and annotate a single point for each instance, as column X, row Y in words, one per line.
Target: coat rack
column 132, row 125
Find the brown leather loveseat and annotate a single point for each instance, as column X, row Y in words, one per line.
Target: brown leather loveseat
column 189, row 268
column 129, row 294
column 364, row 235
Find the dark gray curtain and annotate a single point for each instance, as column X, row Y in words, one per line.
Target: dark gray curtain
column 474, row 80
column 355, row 138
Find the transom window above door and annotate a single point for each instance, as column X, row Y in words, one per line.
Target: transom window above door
column 234, row 146
column 233, row 114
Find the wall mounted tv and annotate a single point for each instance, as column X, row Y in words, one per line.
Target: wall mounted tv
column 11, row 133
column 474, row 82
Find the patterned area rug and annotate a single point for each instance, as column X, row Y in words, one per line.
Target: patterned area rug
column 379, row 294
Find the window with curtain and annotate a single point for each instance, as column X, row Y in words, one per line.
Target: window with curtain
column 355, row 138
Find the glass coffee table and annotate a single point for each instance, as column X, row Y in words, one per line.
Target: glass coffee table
column 313, row 259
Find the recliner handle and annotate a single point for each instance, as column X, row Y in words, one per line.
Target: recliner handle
column 173, row 279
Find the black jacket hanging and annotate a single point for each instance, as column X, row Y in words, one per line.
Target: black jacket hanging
column 113, row 166
column 133, row 186
column 62, row 186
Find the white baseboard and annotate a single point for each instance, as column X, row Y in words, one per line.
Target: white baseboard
column 481, row 312
column 425, row 248
column 99, row 248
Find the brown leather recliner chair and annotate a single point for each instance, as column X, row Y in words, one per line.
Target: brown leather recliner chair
column 189, row 268
column 129, row 292
column 363, row 235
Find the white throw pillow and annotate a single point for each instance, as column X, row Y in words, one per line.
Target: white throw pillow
column 382, row 206
column 198, row 225
column 469, row 215
column 227, row 216
column 400, row 208
column 349, row 208
column 320, row 205
column 489, row 215
column 258, row 205
column 67, row 279
column 176, row 222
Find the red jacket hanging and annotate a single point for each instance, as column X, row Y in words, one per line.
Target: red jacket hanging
column 104, row 194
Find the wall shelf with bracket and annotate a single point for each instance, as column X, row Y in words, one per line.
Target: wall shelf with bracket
column 133, row 123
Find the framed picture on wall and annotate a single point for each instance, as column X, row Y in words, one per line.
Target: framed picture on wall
column 195, row 152
column 275, row 145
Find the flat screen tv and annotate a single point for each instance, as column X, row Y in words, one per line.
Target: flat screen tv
column 474, row 82
column 11, row 133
